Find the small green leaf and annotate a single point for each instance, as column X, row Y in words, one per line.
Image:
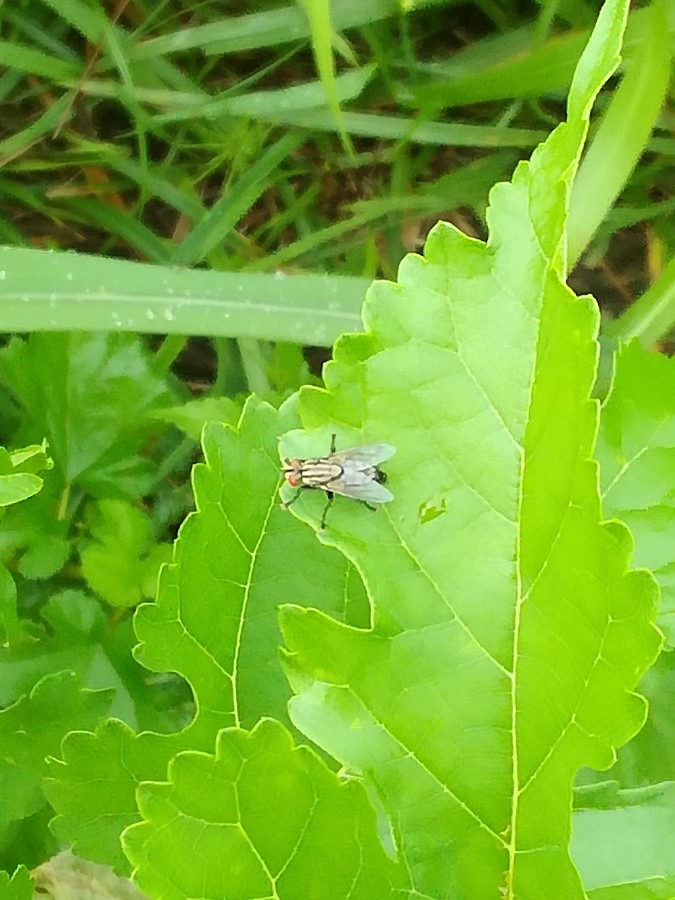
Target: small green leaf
column 33, row 458
column 15, row 488
column 193, row 415
column 11, row 629
column 92, row 786
column 19, row 887
column 18, row 468
column 32, row 729
column 120, row 562
column 44, row 556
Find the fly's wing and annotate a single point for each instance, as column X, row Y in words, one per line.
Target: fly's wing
column 365, row 488
column 364, row 456
column 359, row 477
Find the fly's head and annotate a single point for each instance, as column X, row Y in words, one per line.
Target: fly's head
column 292, row 472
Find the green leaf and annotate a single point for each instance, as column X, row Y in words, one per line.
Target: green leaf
column 232, row 34
column 193, row 415
column 270, row 813
column 32, row 459
column 18, row 480
column 262, row 105
column 37, row 63
column 18, row 887
column 656, row 888
column 287, row 369
column 636, row 452
column 121, row 563
column 59, row 291
column 32, row 729
column 408, row 128
column 15, row 488
column 508, row 636
column 88, row 395
column 45, row 555
column 516, row 64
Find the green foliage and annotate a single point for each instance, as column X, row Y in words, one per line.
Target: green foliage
column 238, row 552
column 636, row 451
column 121, row 563
column 88, row 396
column 398, row 705
column 625, row 841
column 31, row 730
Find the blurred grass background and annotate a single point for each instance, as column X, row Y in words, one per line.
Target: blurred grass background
column 314, row 138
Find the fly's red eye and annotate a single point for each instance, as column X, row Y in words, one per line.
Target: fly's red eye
column 292, row 472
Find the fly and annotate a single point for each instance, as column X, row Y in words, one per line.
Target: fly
column 353, row 473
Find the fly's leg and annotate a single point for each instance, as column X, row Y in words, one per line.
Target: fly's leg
column 332, row 443
column 329, row 501
column 286, row 503
column 368, row 506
